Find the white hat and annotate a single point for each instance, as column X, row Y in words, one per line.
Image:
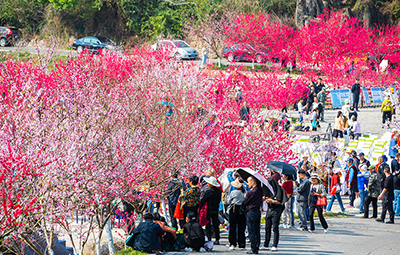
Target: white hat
column 347, row 101
column 337, row 170
column 315, row 176
column 364, row 167
column 212, row 181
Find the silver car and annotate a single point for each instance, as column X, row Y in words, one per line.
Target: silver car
column 177, row 49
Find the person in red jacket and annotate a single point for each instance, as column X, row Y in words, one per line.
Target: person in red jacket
column 335, row 190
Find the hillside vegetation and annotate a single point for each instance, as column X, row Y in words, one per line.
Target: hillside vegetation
column 134, row 21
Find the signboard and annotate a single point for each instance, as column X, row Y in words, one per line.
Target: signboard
column 344, row 94
column 377, row 95
column 335, row 97
column 367, row 100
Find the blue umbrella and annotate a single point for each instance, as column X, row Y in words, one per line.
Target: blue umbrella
column 165, row 103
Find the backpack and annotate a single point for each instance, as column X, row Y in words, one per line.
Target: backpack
column 284, row 195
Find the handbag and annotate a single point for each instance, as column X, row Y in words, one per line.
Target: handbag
column 203, row 215
column 178, row 214
column 321, row 201
column 336, row 189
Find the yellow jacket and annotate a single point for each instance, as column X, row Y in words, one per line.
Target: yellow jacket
column 386, row 106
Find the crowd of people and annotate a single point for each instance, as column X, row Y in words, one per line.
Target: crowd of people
column 205, row 205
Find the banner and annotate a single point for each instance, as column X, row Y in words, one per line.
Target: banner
column 367, row 100
column 335, row 98
column 344, row 94
column 377, row 95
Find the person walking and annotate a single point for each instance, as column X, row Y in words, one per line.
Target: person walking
column 351, row 178
column 355, row 90
column 335, row 190
column 303, row 191
column 310, row 101
column 362, row 182
column 387, row 197
column 322, row 100
column 394, row 165
column 192, row 196
column 275, row 203
column 339, row 125
column 205, row 56
column 396, row 192
column 237, row 218
column 253, row 201
column 288, row 210
column 213, row 198
column 317, row 191
column 374, row 185
column 386, row 110
column 173, row 192
column 244, row 112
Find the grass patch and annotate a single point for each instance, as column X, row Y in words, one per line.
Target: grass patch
column 129, row 251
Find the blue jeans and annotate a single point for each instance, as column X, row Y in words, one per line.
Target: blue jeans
column 339, row 199
column 253, row 227
column 396, row 202
column 362, row 199
column 204, row 60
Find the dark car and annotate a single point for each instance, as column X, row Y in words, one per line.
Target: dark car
column 9, row 36
column 93, row 44
column 246, row 53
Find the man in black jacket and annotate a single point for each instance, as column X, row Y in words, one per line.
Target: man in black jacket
column 355, row 89
column 387, row 197
column 213, row 198
column 172, row 193
column 253, row 201
column 148, row 235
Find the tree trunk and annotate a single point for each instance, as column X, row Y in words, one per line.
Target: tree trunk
column 110, row 241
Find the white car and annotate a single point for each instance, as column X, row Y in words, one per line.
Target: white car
column 177, row 49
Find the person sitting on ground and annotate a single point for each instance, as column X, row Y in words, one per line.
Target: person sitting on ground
column 356, row 129
column 148, row 235
column 170, row 234
column 193, row 233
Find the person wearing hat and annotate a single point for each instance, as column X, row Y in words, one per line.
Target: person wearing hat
column 363, row 160
column 335, row 190
column 355, row 90
column 374, row 185
column 304, row 161
column 237, row 218
column 351, row 179
column 362, row 182
column 213, row 198
column 316, row 190
column 386, row 110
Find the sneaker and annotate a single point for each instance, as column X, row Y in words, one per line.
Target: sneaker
column 326, row 230
column 380, row 220
column 232, row 248
column 252, row 252
column 190, row 249
column 345, row 211
column 350, row 206
column 289, row 226
column 274, row 248
column 390, row 222
column 263, row 248
column 301, row 229
column 216, row 242
column 202, row 249
column 282, row 226
column 311, row 231
column 242, row 249
column 329, row 211
column 228, row 245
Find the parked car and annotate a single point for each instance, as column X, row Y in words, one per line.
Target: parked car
column 9, row 36
column 177, row 49
column 245, row 53
column 93, row 44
